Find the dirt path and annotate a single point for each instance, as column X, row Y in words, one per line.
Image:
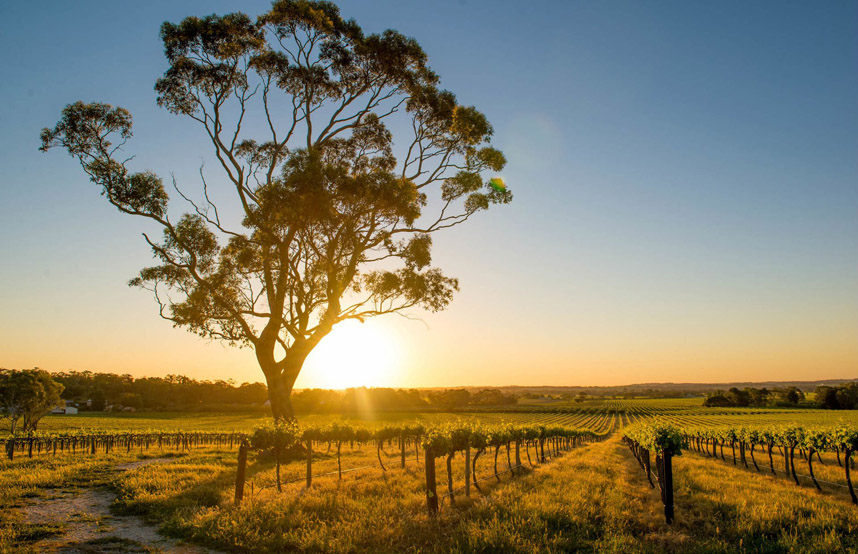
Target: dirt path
column 89, row 527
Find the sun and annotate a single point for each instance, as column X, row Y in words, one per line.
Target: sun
column 354, row 354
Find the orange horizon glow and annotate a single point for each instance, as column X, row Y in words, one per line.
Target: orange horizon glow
column 396, row 353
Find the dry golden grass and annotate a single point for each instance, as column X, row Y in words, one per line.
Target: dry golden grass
column 592, row 499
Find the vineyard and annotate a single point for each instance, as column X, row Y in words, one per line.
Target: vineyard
column 221, row 479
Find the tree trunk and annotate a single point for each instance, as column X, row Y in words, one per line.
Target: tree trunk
column 240, row 473
column 280, row 378
column 474, row 469
column 378, row 444
column 810, row 469
column 431, row 486
column 792, row 464
column 771, row 461
column 280, row 396
column 754, row 460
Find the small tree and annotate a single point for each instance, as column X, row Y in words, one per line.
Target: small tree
column 27, row 396
column 300, row 108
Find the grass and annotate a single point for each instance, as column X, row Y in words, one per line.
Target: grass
column 592, row 499
column 743, row 510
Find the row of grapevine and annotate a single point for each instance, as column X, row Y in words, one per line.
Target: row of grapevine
column 449, row 440
column 787, row 439
column 665, row 441
column 106, row 441
column 278, row 439
column 92, row 443
column 442, row 441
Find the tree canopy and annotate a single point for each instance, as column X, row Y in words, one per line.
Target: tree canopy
column 26, row 396
column 344, row 155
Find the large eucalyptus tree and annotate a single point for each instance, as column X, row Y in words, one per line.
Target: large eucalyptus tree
column 301, row 109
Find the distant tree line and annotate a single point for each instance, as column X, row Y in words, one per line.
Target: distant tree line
column 91, row 391
column 752, row 397
column 842, row 397
column 100, row 391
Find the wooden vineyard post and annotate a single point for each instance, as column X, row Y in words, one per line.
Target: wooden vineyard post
column 450, row 477
column 518, row 453
column 667, row 460
column 10, row 448
column 402, row 450
column 468, row 468
column 647, row 467
column 277, row 461
column 309, row 463
column 431, row 488
column 847, row 458
column 666, row 441
column 509, row 461
column 240, row 473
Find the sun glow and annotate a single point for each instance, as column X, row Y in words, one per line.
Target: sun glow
column 354, row 354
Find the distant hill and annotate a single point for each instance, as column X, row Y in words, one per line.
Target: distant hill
column 676, row 388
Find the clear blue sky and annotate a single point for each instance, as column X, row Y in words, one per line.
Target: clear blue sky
column 685, row 179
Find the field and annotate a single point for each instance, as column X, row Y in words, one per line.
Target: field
column 598, row 415
column 591, row 498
